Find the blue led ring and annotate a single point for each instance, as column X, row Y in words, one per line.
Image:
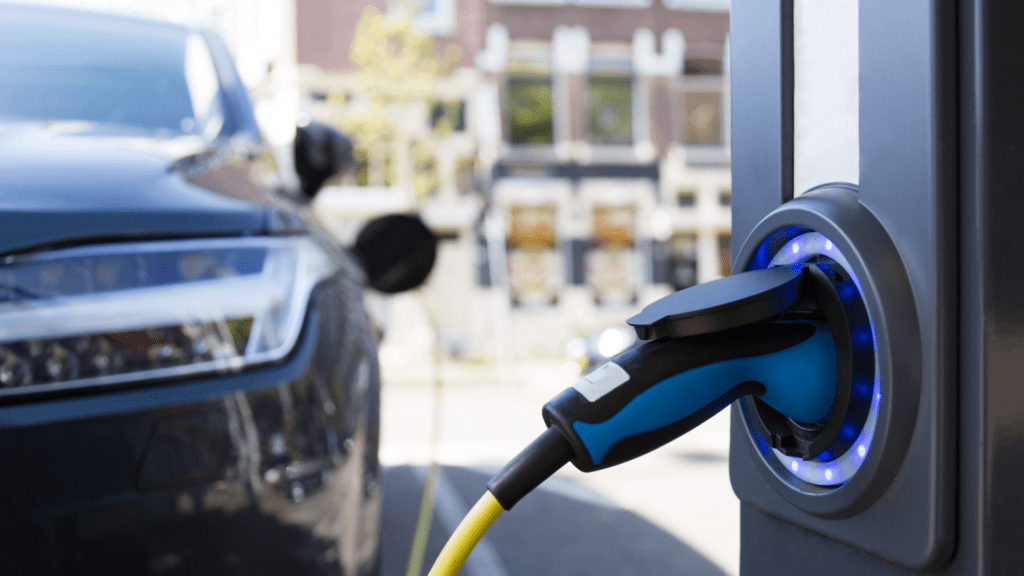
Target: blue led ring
column 803, row 248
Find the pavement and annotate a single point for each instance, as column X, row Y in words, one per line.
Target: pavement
column 671, row 512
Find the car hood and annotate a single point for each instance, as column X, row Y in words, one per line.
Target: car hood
column 66, row 183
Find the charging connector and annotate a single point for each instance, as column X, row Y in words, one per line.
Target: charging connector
column 713, row 346
column 652, row 394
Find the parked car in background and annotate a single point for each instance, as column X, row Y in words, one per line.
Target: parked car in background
column 188, row 380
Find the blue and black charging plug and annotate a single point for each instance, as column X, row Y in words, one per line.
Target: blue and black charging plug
column 779, row 335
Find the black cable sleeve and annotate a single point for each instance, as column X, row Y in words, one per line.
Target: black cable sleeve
column 542, row 458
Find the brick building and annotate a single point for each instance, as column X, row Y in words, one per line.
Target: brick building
column 588, row 172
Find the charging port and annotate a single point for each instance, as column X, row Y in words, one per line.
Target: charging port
column 822, row 455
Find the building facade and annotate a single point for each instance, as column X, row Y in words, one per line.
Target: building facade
column 584, row 167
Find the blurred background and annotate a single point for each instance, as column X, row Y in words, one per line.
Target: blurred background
column 573, row 157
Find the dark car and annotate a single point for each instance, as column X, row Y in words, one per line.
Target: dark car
column 188, row 380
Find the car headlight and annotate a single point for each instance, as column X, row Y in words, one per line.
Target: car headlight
column 114, row 313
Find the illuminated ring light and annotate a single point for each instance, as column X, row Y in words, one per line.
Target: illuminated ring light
column 838, row 471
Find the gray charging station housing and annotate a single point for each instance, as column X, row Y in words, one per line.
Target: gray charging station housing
column 942, row 179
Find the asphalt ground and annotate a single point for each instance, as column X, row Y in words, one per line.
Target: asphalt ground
column 671, row 512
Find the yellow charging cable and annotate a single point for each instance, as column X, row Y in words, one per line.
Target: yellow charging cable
column 542, row 458
column 465, row 537
column 418, row 549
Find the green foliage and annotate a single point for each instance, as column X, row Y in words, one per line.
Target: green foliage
column 397, row 63
column 362, row 167
column 398, row 68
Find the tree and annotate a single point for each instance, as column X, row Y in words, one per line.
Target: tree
column 398, row 68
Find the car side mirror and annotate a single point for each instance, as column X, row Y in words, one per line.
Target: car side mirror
column 320, row 153
column 396, row 251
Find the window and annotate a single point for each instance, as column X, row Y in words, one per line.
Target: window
column 533, row 227
column 529, row 109
column 725, row 198
column 448, row 116
column 703, row 114
column 687, row 198
column 172, row 85
column 725, row 253
column 613, row 226
column 611, row 109
column 535, row 267
column 612, row 264
column 683, row 260
column 702, row 67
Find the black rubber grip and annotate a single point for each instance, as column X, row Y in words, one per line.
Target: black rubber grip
column 542, row 458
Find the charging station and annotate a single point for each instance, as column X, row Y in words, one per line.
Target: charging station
column 923, row 472
column 871, row 338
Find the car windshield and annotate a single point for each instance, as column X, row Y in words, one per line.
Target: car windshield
column 136, row 74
